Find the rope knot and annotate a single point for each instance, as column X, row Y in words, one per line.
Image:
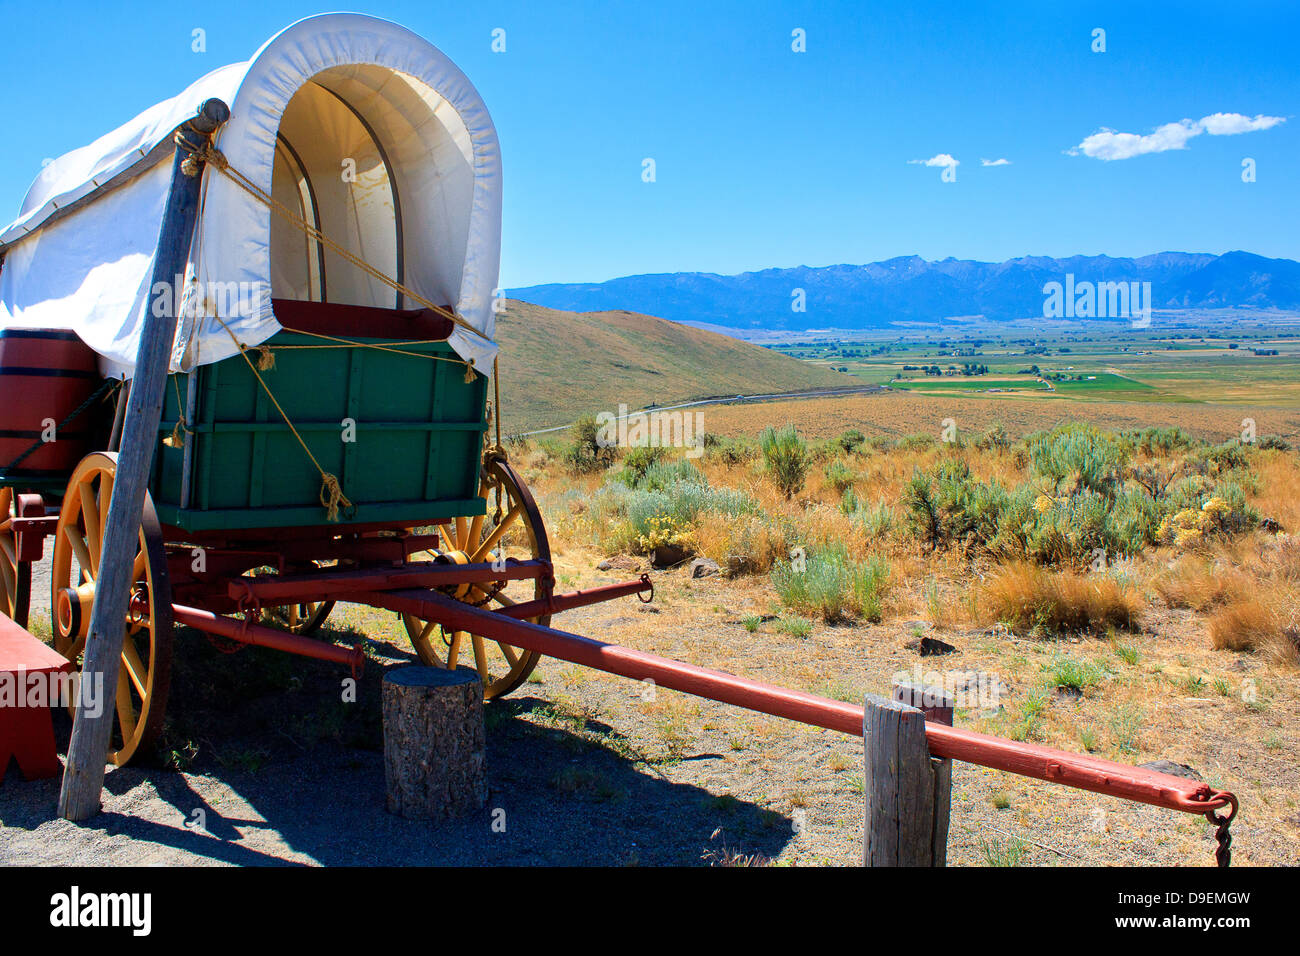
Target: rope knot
column 331, row 496
column 265, row 357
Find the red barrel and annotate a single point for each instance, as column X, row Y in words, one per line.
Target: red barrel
column 45, row 375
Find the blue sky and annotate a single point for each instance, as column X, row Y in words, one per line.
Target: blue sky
column 766, row 157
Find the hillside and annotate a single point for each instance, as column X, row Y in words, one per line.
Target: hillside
column 912, row 289
column 556, row 366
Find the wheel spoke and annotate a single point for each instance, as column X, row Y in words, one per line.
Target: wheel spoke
column 480, row 659
column 135, row 667
column 498, row 532
column 105, row 495
column 126, row 715
column 90, row 516
column 453, row 651
column 509, row 653
column 79, row 549
column 7, row 571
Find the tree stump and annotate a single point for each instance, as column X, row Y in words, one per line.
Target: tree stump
column 434, row 742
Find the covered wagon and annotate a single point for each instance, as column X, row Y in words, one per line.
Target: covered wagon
column 321, row 227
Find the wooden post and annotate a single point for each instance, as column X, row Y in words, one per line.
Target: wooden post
column 907, row 797
column 83, row 778
column 434, row 742
column 937, row 705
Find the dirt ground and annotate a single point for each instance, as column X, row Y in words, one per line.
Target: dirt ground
column 263, row 764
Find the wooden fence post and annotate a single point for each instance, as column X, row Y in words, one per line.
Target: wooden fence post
column 83, row 778
column 907, row 797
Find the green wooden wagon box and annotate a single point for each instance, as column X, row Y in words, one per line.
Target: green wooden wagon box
column 401, row 430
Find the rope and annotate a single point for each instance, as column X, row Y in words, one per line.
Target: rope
column 174, row 440
column 349, row 343
column 331, row 493
column 207, row 153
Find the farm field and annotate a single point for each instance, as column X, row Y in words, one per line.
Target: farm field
column 1182, row 358
column 897, row 413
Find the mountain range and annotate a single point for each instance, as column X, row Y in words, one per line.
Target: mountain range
column 909, row 289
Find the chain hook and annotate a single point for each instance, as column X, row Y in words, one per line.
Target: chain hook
column 1223, row 853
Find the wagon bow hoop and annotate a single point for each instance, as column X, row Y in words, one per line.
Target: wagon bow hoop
column 204, row 152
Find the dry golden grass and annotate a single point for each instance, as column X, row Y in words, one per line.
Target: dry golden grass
column 1195, row 582
column 1243, row 625
column 744, row 545
column 1025, row 596
column 893, row 414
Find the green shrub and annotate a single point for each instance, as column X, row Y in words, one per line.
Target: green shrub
column 584, row 452
column 832, row 585
column 840, row 476
column 946, row 507
column 1229, row 455
column 659, row 475
column 1079, row 456
column 786, row 457
column 1161, row 441
column 732, row 451
column 876, row 522
column 994, row 439
column 637, row 461
column 1073, row 673
column 851, row 440
column 918, row 441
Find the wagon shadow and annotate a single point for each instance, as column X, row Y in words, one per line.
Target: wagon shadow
column 280, row 772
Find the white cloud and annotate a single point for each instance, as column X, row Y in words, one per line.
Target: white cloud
column 995, row 162
column 1230, row 124
column 942, row 159
column 1106, row 144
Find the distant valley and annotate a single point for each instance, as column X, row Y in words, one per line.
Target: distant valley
column 909, row 290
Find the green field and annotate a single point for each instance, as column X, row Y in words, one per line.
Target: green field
column 1181, row 358
column 980, row 383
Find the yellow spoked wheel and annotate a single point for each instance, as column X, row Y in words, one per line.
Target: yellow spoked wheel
column 303, row 618
column 15, row 575
column 143, row 678
column 512, row 528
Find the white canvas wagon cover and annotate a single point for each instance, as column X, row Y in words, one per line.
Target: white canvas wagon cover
column 354, row 123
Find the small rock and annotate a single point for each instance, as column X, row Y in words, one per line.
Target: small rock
column 703, row 567
column 605, row 565
column 931, row 646
column 647, row 609
column 1174, row 769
